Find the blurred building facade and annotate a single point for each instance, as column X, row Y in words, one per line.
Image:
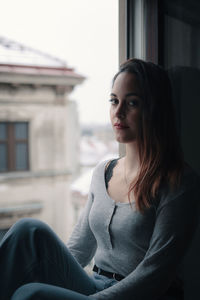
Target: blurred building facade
column 39, row 137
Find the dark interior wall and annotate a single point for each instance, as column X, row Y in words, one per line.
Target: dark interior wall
column 181, row 42
column 186, row 94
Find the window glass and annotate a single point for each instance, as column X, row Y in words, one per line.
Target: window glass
column 21, row 156
column 3, row 131
column 181, row 34
column 20, row 130
column 3, row 157
column 65, row 97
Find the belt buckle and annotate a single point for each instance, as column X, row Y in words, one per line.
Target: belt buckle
column 98, row 271
column 114, row 274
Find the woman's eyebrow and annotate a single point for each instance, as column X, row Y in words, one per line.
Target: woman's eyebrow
column 127, row 95
column 112, row 94
column 132, row 94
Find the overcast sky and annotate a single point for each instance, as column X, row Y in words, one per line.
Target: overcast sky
column 82, row 32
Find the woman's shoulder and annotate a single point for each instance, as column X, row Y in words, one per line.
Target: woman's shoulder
column 102, row 165
column 98, row 176
column 99, row 170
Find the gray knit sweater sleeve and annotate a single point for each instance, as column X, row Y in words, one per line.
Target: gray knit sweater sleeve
column 82, row 243
column 175, row 223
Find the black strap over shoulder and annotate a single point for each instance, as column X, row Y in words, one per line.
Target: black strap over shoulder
column 109, row 170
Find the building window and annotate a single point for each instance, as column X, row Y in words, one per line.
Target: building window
column 13, row 146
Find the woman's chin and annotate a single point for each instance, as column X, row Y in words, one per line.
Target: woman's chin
column 125, row 138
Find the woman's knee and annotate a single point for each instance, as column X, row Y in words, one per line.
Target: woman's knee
column 30, row 291
column 42, row 291
column 25, row 226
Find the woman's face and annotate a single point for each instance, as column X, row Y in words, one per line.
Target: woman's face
column 125, row 110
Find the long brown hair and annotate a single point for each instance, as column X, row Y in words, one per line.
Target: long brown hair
column 161, row 157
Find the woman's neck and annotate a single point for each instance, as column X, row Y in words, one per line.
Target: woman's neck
column 131, row 159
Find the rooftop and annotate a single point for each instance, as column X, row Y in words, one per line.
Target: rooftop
column 16, row 58
column 14, row 53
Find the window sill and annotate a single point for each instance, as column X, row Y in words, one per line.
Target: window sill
column 30, row 174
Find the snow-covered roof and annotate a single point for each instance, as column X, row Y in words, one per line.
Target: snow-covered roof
column 12, row 52
column 22, row 64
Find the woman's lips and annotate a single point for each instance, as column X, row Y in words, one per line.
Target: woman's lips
column 120, row 126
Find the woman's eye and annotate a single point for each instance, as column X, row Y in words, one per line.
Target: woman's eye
column 113, row 101
column 133, row 103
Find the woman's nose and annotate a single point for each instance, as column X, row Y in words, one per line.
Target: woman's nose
column 121, row 111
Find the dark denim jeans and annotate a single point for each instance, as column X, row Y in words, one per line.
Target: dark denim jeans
column 36, row 264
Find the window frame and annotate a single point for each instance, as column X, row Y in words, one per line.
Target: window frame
column 11, row 141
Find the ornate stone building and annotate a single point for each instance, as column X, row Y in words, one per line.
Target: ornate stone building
column 39, row 135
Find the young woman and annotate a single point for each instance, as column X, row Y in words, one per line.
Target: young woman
column 139, row 220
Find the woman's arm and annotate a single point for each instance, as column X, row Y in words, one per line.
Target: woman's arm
column 174, row 228
column 82, row 243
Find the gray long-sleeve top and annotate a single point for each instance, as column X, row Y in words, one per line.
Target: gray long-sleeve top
column 148, row 249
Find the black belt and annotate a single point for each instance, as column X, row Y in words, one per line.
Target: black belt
column 116, row 276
